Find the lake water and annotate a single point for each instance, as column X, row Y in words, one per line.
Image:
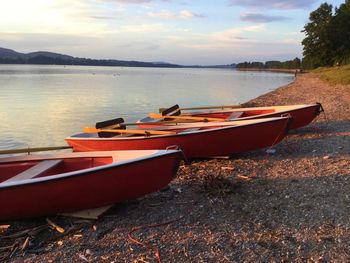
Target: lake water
column 41, row 105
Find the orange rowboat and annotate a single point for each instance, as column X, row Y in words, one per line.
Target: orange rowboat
column 301, row 115
column 195, row 139
column 38, row 185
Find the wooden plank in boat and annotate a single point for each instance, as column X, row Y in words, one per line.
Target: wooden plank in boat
column 235, row 115
column 35, row 171
column 93, row 213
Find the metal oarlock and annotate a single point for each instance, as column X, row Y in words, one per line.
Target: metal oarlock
column 320, row 108
column 176, row 147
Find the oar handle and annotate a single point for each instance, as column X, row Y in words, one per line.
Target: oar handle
column 37, row 149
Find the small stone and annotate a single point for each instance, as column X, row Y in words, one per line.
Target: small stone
column 88, row 252
column 327, row 157
column 60, row 243
column 271, row 151
column 82, row 257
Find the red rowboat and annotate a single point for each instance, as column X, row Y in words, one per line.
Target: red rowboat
column 195, row 139
column 301, row 115
column 37, row 185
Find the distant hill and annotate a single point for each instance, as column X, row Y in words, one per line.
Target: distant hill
column 9, row 56
column 9, row 53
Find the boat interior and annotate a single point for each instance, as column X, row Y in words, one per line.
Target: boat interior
column 234, row 114
column 16, row 171
column 18, row 168
column 180, row 128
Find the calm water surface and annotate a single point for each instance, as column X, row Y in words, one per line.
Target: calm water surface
column 41, row 105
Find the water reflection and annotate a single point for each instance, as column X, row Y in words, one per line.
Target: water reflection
column 41, row 105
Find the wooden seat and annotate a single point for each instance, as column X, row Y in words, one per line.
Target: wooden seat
column 235, row 115
column 191, row 130
column 35, row 171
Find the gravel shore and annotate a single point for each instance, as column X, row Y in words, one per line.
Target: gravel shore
column 289, row 206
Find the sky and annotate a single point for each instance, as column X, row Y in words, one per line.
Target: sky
column 207, row 32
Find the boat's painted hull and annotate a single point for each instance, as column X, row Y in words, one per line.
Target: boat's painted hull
column 88, row 189
column 214, row 142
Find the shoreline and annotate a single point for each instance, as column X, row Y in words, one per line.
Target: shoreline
column 281, row 70
column 292, row 205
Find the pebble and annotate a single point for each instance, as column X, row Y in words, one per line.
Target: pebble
column 82, row 257
column 271, row 151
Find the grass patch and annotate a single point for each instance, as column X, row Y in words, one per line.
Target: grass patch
column 335, row 75
column 218, row 185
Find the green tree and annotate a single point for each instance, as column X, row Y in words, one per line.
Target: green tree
column 341, row 31
column 317, row 43
column 296, row 63
column 273, row 64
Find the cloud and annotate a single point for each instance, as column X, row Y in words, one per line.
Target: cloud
column 226, row 39
column 234, row 34
column 144, row 28
column 131, row 1
column 50, row 17
column 260, row 18
column 276, row 4
column 164, row 14
column 189, row 14
column 102, row 17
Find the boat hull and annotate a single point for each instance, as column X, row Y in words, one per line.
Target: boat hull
column 301, row 115
column 208, row 143
column 108, row 185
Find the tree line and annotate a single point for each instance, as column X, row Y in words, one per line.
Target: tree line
column 47, row 60
column 274, row 64
column 327, row 40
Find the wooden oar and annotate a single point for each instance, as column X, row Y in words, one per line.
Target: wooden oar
column 121, row 125
column 159, row 116
column 37, row 149
column 207, row 107
column 143, row 132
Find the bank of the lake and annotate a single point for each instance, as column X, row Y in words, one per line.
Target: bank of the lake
column 290, row 206
column 276, row 70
